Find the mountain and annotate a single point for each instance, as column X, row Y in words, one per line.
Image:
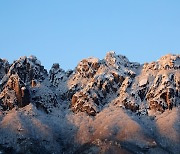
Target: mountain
column 102, row 106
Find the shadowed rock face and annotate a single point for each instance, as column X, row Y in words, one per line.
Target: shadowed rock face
column 4, row 67
column 28, row 69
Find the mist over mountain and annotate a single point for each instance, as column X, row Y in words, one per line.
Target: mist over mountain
column 102, row 106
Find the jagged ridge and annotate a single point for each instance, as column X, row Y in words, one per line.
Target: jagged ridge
column 110, row 105
column 93, row 84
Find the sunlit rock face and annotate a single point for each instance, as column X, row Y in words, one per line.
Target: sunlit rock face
column 142, row 88
column 98, row 81
column 15, row 93
column 164, row 76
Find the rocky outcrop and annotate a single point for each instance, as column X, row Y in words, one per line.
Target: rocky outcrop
column 14, row 94
column 164, row 92
column 138, row 88
column 17, row 80
column 88, row 67
column 99, row 81
column 28, row 69
column 56, row 74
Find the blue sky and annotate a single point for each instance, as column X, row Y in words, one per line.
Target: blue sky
column 65, row 31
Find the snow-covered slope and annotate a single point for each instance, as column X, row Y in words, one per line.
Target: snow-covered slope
column 102, row 106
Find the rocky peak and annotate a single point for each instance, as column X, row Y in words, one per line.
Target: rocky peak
column 17, row 80
column 169, row 62
column 28, row 69
column 166, row 62
column 116, row 61
column 99, row 80
column 136, row 88
column 88, row 67
column 119, row 61
column 56, row 74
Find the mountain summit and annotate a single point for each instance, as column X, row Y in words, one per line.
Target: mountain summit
column 102, row 106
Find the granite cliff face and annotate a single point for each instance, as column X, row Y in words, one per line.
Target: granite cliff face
column 79, row 99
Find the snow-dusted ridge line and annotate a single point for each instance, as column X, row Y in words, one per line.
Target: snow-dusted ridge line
column 93, row 82
column 102, row 106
